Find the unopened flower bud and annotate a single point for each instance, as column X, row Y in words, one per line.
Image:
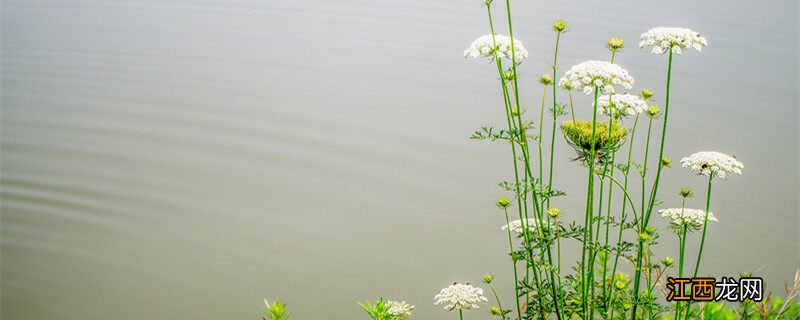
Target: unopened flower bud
column 503, row 202
column 644, row 237
column 554, row 213
column 665, row 161
column 568, row 85
column 667, row 261
column 546, row 80
column 686, row 192
column 508, row 75
column 647, row 94
column 495, row 311
column 559, row 26
column 649, row 230
column 515, row 111
column 615, row 44
column 488, row 278
column 653, row 111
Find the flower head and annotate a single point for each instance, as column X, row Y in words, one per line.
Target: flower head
column 621, row 104
column 712, row 162
column 516, row 226
column 587, row 75
column 560, row 26
column 579, row 137
column 615, row 44
column 647, row 93
column 653, row 111
column 663, row 39
column 459, row 296
column 400, row 309
column 486, row 47
column 503, row 202
column 690, row 218
column 546, row 79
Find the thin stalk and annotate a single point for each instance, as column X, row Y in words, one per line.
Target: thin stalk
column 460, row 314
column 705, row 225
column 496, row 297
column 571, row 108
column 513, row 263
column 622, row 219
column 539, row 138
column 703, row 237
column 653, row 191
column 600, row 204
column 527, row 162
column 682, row 250
column 588, row 282
column 520, row 204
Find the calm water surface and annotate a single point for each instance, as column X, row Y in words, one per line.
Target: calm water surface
column 185, row 160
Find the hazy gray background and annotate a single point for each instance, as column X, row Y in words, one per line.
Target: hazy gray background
column 187, row 160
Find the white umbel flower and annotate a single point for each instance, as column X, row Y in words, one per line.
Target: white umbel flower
column 460, row 296
column 712, row 162
column 624, row 104
column 484, row 47
column 663, row 38
column 400, row 309
column 691, row 218
column 516, row 226
column 603, row 74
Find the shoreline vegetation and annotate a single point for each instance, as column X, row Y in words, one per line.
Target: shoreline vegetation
column 622, row 193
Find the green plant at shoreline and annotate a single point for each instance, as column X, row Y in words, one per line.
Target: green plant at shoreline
column 621, row 195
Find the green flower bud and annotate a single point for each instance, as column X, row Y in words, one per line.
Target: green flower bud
column 488, row 278
column 615, row 44
column 509, row 75
column 665, row 161
column 495, row 311
column 515, row 111
column 644, row 237
column 568, row 85
column 649, row 230
column 546, row 80
column 503, row 202
column 668, row 261
column 554, row 213
column 686, row 192
column 559, row 26
column 647, row 94
column 653, row 111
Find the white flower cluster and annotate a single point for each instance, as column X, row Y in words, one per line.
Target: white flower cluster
column 691, row 218
column 484, row 47
column 624, row 104
column 516, row 226
column 712, row 162
column 603, row 74
column 663, row 39
column 460, row 296
column 400, row 309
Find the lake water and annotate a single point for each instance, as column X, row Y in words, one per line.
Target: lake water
column 185, row 160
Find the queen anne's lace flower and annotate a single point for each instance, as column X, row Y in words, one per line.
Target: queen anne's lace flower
column 623, row 104
column 516, row 226
column 484, row 47
column 691, row 218
column 460, row 296
column 605, row 75
column 662, row 39
column 712, row 162
column 400, row 308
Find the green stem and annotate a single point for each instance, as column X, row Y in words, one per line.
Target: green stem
column 682, row 250
column 520, row 204
column 653, row 191
column 513, row 263
column 571, row 108
column 705, row 225
column 588, row 282
column 460, row 314
column 609, row 311
column 703, row 237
